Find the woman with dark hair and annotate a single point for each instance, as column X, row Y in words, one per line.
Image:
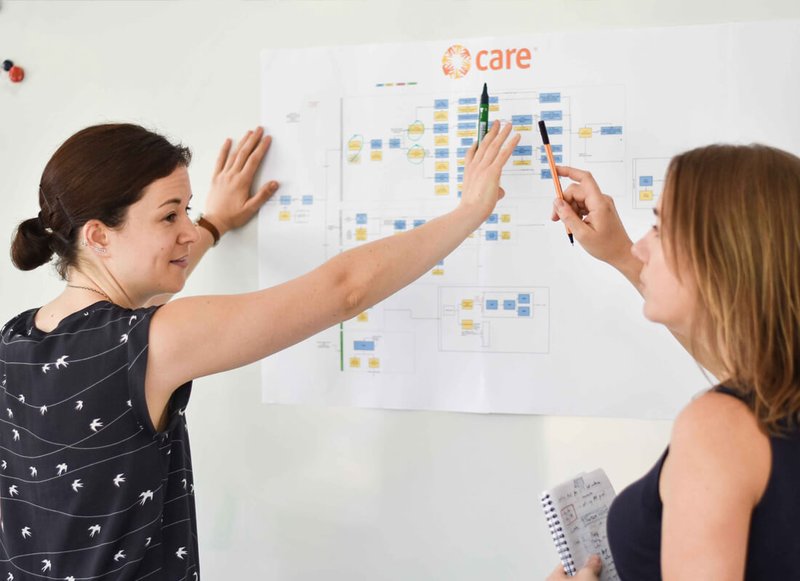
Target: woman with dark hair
column 720, row 269
column 95, row 466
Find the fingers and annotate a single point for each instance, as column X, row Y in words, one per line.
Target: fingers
column 507, row 150
column 252, row 163
column 486, row 141
column 567, row 215
column 263, row 194
column 223, row 156
column 573, row 173
column 246, row 148
column 471, row 154
column 557, row 574
column 493, row 147
column 232, row 157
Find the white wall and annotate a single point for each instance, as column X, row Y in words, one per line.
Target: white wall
column 311, row 493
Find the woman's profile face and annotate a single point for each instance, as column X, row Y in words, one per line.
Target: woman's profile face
column 670, row 297
column 149, row 253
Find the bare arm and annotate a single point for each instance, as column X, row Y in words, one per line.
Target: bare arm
column 716, row 472
column 193, row 337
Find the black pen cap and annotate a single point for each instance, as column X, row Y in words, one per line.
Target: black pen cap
column 543, row 131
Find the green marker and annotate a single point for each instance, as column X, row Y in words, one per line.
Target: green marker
column 483, row 115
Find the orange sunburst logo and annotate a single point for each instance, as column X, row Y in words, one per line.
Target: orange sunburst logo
column 456, row 61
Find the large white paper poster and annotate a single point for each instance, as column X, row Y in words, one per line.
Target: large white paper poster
column 370, row 141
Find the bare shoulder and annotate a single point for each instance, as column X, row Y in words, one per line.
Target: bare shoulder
column 719, row 434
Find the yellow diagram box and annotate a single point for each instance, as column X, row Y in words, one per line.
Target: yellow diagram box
column 363, row 317
column 374, row 363
column 356, row 159
column 467, row 133
column 505, row 235
column 355, row 145
column 441, row 115
column 376, row 155
column 522, row 127
column 284, row 216
column 494, row 108
column 416, row 153
column 468, row 109
column 442, row 190
column 442, row 166
column 355, row 362
column 585, row 132
column 523, row 162
column 416, row 129
column 361, row 234
column 646, row 195
column 442, row 140
column 467, row 325
column 437, row 272
column 467, row 304
column 505, row 218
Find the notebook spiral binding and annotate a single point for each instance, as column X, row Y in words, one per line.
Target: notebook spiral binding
column 557, row 532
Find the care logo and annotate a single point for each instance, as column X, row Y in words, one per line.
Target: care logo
column 456, row 61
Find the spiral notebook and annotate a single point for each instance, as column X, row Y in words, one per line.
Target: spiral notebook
column 576, row 513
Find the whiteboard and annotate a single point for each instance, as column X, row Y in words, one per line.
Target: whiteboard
column 321, row 493
column 515, row 320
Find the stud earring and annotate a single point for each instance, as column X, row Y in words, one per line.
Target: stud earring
column 99, row 250
column 83, row 243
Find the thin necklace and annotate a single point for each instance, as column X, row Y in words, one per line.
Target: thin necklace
column 94, row 290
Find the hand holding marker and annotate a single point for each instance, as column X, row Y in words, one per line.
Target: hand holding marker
column 552, row 162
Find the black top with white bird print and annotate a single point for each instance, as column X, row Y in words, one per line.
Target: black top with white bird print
column 88, row 488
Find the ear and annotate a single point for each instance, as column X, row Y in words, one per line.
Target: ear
column 95, row 236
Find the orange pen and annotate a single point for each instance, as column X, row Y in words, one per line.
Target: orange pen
column 552, row 162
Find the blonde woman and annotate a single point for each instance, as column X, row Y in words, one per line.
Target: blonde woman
column 720, row 269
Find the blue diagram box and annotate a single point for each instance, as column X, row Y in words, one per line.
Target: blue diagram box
column 523, row 150
column 441, row 178
column 522, row 119
column 418, row 223
column 286, row 200
column 494, row 100
column 557, row 130
column 549, row 97
column 467, row 141
column 361, row 218
column 460, row 180
column 461, row 151
column 442, row 153
column 376, row 143
column 509, row 305
column 552, row 116
column 364, row 345
column 556, row 147
column 460, row 169
column 524, row 312
column 308, row 200
column 491, row 305
column 491, row 234
column 492, row 219
column 439, row 128
column 399, row 224
column 441, row 103
column 468, row 101
column 556, row 158
column 611, row 130
column 546, row 175
column 394, row 143
column 466, row 126
column 468, row 117
column 645, row 181
column 524, row 299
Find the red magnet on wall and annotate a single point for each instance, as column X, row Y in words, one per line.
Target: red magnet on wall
column 15, row 73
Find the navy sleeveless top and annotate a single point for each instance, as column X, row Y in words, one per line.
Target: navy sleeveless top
column 634, row 519
column 88, row 488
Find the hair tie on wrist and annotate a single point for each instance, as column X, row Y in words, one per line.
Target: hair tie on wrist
column 203, row 223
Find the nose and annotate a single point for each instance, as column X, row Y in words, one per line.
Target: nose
column 189, row 233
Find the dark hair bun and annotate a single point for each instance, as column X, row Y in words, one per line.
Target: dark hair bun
column 32, row 245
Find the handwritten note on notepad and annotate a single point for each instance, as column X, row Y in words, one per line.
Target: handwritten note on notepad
column 576, row 513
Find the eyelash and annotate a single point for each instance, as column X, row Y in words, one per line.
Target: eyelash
column 171, row 217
